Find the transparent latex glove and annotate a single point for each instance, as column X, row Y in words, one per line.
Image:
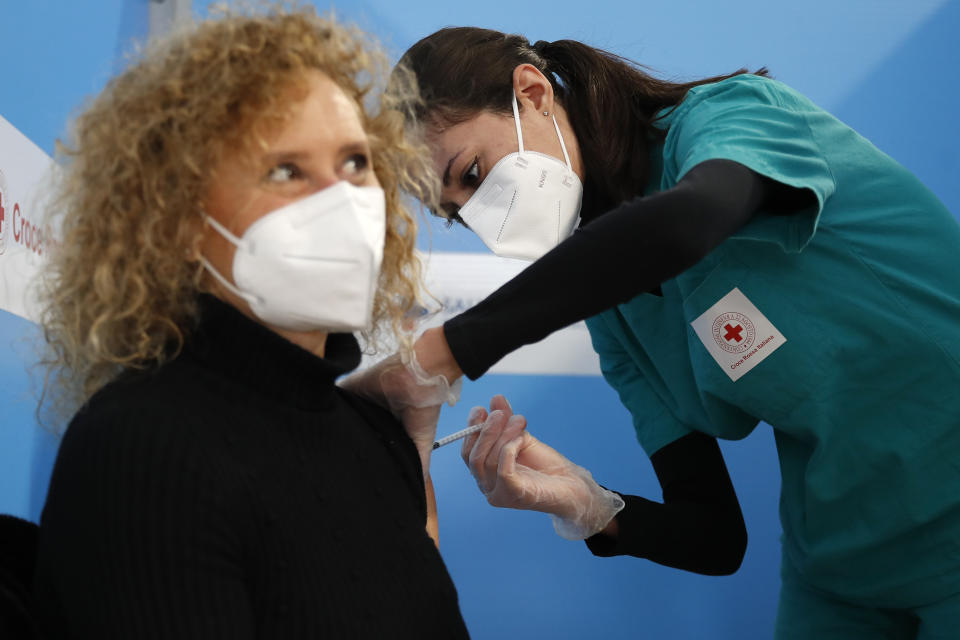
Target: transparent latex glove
column 400, row 384
column 513, row 469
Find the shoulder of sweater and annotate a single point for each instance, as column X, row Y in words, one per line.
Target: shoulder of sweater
column 167, row 409
column 369, row 410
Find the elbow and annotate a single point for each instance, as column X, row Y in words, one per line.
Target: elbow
column 734, row 559
column 730, row 538
column 729, row 556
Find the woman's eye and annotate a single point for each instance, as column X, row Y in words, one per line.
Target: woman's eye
column 356, row 163
column 284, row 172
column 471, row 177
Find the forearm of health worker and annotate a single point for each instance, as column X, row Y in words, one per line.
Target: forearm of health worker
column 622, row 253
column 698, row 527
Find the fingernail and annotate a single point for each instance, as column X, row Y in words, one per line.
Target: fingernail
column 474, row 415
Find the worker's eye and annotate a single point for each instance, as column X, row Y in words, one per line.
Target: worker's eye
column 471, row 177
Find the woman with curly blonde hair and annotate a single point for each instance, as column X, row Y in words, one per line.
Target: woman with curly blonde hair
column 230, row 213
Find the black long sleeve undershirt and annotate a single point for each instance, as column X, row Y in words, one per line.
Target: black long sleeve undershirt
column 632, row 249
column 623, row 253
column 699, row 526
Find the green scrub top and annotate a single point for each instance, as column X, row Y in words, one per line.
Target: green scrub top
column 862, row 389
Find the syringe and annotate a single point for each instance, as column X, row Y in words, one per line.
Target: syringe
column 453, row 437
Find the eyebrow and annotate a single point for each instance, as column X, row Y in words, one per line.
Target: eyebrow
column 446, row 172
column 303, row 154
column 277, row 156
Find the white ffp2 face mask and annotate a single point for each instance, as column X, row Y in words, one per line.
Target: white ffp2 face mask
column 528, row 203
column 312, row 264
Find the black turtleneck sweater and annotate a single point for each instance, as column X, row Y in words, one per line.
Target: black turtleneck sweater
column 237, row 492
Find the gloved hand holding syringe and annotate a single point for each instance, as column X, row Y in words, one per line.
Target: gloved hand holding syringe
column 513, row 469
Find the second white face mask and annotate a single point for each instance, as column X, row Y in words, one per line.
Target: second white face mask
column 312, row 264
column 527, row 204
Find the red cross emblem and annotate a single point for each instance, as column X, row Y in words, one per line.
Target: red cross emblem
column 733, row 333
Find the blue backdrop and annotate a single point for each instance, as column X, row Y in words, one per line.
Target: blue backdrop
column 886, row 67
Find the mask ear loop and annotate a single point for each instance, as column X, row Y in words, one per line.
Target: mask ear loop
column 226, row 233
column 563, row 147
column 234, row 289
column 566, row 180
column 516, row 121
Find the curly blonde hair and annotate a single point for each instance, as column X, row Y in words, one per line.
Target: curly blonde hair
column 119, row 291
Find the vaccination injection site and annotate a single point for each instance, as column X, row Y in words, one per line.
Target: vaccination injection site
column 378, row 320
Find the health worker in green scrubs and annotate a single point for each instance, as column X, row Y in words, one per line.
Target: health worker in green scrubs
column 740, row 255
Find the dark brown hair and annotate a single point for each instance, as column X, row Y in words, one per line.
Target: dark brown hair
column 612, row 102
